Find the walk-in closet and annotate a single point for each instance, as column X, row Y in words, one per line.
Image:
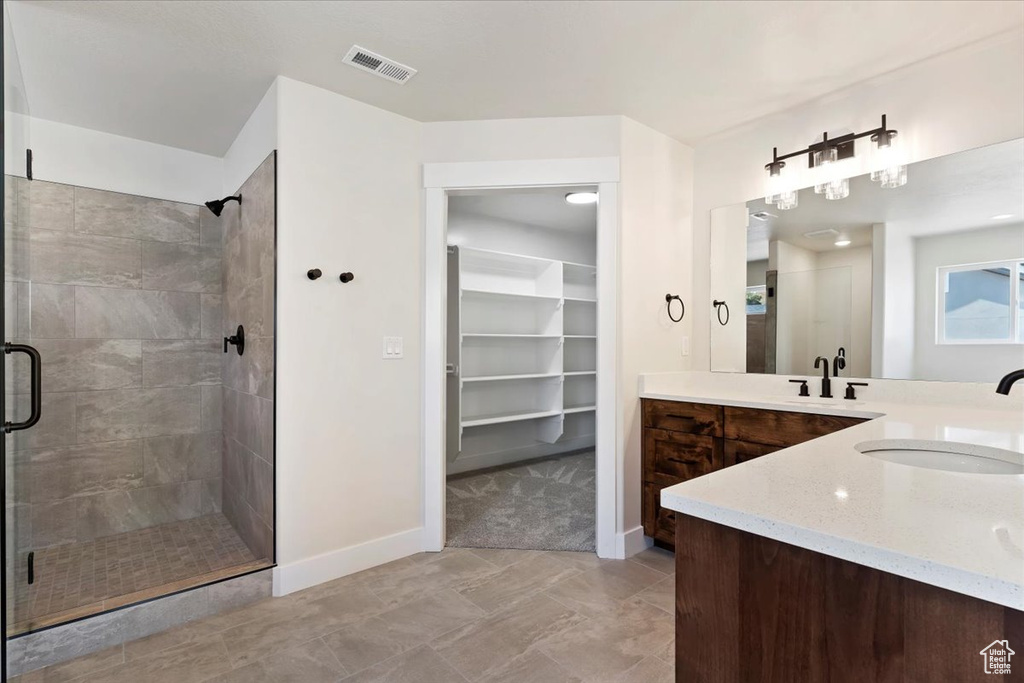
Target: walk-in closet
column 522, row 368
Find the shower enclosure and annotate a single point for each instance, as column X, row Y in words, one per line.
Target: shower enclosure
column 150, row 469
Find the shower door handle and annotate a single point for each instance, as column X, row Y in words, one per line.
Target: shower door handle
column 36, row 372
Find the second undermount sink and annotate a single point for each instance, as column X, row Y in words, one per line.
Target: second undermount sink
column 945, row 455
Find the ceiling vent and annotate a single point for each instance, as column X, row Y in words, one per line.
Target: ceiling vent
column 378, row 65
column 829, row 232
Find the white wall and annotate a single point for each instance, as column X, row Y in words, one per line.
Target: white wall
column 349, row 484
column 728, row 248
column 656, row 194
column 960, row 362
column 485, row 232
column 254, row 143
column 508, row 139
column 89, row 158
column 893, row 274
column 960, row 100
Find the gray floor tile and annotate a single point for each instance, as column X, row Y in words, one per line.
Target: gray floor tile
column 661, row 594
column 605, row 647
column 497, row 591
column 483, row 647
column 658, row 559
column 421, row 665
column 601, row 589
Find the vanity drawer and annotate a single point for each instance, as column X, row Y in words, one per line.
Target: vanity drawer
column 780, row 428
column 692, row 418
column 680, row 455
column 742, row 451
column 659, row 523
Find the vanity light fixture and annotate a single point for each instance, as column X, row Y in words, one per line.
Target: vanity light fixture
column 581, row 198
column 831, row 177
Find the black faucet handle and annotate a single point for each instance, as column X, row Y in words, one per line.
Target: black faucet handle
column 803, row 386
column 851, row 393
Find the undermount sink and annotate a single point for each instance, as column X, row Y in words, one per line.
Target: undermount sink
column 945, row 455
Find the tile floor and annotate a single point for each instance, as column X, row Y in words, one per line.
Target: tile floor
column 457, row 616
column 82, row 575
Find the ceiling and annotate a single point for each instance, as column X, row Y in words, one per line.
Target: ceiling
column 188, row 73
column 541, row 207
column 948, row 194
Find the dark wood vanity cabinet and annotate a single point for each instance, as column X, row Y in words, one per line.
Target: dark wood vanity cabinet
column 685, row 440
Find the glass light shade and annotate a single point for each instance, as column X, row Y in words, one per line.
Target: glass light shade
column 787, row 200
column 888, row 162
column 838, row 189
column 824, row 168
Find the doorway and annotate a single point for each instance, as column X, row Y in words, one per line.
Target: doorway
column 550, row 447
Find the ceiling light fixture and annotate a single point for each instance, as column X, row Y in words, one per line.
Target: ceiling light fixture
column 843, row 242
column 581, row 198
column 1001, row 216
column 831, row 177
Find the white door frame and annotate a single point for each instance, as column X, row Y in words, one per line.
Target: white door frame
column 438, row 180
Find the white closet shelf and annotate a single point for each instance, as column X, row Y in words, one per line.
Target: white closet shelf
column 510, row 295
column 580, row 336
column 579, row 409
column 502, row 378
column 480, row 335
column 579, row 300
column 580, row 373
column 501, row 418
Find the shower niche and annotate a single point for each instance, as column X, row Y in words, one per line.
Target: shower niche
column 151, row 469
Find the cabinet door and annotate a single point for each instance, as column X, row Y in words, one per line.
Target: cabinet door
column 780, row 428
column 742, row 451
column 679, row 455
column 692, row 418
column 659, row 523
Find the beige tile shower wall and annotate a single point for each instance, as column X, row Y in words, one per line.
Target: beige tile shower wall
column 248, row 380
column 121, row 295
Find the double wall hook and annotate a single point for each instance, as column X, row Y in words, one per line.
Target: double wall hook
column 719, row 305
column 669, row 298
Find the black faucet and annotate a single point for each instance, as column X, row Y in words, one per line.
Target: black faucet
column 826, row 383
column 1006, row 382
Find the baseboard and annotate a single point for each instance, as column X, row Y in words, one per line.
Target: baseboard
column 295, row 576
column 633, row 542
column 471, row 463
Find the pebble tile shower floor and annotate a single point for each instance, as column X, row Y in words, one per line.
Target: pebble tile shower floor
column 79, row 575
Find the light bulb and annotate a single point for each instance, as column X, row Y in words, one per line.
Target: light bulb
column 581, row 198
column 824, row 159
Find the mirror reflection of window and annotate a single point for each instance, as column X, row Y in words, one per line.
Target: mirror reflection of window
column 756, row 300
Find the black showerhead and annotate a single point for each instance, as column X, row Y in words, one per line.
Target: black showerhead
column 217, row 205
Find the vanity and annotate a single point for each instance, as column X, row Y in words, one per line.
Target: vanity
column 801, row 558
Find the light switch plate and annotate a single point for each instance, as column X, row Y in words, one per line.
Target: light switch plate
column 392, row 348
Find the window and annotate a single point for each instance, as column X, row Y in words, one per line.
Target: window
column 756, row 300
column 981, row 303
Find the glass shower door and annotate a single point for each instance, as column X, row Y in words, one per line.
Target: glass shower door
column 21, row 368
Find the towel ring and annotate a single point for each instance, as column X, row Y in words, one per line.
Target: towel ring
column 719, row 305
column 668, row 305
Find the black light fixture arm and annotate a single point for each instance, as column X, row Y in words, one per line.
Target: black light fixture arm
column 839, row 142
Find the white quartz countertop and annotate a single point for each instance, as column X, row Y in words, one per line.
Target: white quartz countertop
column 963, row 532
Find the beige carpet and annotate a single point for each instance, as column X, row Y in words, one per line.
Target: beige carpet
column 544, row 505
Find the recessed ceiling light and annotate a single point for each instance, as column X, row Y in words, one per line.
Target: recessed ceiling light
column 1002, row 216
column 581, row 198
column 842, row 242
